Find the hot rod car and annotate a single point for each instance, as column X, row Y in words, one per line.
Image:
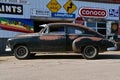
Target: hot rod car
column 60, row 37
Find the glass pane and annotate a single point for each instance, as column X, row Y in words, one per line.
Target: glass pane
column 91, row 24
column 56, row 29
column 72, row 30
column 102, row 31
column 101, row 25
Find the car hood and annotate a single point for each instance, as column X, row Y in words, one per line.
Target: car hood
column 27, row 35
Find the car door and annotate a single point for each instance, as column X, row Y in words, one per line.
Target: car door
column 54, row 39
column 73, row 32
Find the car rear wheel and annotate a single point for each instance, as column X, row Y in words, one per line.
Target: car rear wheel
column 90, row 52
column 21, row 52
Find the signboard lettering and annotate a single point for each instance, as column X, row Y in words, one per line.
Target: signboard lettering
column 15, row 1
column 62, row 15
column 37, row 12
column 11, row 9
column 93, row 12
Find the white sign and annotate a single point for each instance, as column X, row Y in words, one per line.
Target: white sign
column 36, row 12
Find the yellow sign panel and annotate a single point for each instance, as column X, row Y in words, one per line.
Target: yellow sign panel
column 53, row 6
column 70, row 7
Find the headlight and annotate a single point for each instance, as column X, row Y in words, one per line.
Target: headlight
column 8, row 42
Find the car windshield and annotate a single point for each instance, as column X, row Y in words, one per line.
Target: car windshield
column 43, row 28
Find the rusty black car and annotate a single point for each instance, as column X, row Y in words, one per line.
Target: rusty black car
column 60, row 37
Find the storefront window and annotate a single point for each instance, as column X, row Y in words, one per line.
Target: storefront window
column 98, row 26
column 101, row 27
column 92, row 25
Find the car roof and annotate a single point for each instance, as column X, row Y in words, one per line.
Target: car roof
column 72, row 24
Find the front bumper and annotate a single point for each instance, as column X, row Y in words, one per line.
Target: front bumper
column 113, row 48
column 8, row 48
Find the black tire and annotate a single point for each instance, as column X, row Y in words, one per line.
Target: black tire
column 21, row 52
column 90, row 52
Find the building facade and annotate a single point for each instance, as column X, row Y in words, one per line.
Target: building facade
column 25, row 16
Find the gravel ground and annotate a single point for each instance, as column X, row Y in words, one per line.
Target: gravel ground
column 61, row 67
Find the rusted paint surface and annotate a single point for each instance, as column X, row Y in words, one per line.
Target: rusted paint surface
column 51, row 37
column 61, row 42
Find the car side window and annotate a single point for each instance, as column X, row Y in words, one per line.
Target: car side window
column 74, row 30
column 56, row 29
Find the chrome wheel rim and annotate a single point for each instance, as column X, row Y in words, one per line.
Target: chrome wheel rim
column 22, row 51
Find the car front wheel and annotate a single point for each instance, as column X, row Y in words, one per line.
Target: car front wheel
column 90, row 52
column 21, row 52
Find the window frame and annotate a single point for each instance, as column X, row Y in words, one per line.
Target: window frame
column 76, row 28
column 56, row 32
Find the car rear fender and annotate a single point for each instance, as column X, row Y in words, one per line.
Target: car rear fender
column 81, row 42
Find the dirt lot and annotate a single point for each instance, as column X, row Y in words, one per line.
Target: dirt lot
column 61, row 67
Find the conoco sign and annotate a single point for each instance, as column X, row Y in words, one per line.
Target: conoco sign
column 92, row 12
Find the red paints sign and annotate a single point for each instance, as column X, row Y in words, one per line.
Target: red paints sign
column 92, row 12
